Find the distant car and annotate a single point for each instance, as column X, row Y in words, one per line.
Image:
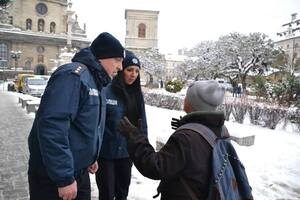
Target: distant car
column 20, row 81
column 35, row 86
column 46, row 77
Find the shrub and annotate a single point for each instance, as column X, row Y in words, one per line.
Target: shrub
column 174, row 86
column 260, row 86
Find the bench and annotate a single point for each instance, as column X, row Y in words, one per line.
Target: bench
column 32, row 106
column 23, row 99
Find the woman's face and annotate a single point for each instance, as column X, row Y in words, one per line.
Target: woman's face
column 130, row 74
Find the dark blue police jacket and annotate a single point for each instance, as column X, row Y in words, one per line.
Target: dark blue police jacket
column 67, row 132
column 114, row 145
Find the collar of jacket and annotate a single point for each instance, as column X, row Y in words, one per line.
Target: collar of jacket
column 105, row 78
column 86, row 57
column 210, row 119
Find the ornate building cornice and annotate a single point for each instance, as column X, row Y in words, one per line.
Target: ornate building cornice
column 61, row 2
column 41, row 38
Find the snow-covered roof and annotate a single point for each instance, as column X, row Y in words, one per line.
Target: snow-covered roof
column 175, row 57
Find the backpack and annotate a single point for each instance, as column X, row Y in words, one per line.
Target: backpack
column 228, row 180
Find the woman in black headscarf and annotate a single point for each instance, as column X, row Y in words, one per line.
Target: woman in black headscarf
column 123, row 98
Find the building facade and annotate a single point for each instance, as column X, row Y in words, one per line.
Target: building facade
column 35, row 33
column 289, row 39
column 141, row 29
column 173, row 62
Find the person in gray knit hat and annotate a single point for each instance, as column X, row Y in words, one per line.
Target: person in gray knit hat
column 204, row 96
column 186, row 155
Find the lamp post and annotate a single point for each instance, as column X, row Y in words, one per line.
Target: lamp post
column 16, row 56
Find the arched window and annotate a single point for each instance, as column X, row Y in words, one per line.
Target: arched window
column 28, row 64
column 142, row 30
column 40, row 59
column 28, row 24
column 41, row 25
column 40, row 70
column 10, row 20
column 52, row 27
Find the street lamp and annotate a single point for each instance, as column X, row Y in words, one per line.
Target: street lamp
column 16, row 56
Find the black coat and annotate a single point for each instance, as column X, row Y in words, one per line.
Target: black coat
column 186, row 154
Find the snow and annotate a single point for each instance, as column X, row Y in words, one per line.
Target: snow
column 272, row 163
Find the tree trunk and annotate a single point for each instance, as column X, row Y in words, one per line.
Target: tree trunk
column 243, row 81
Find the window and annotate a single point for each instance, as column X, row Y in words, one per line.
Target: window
column 40, row 59
column 41, row 25
column 3, row 52
column 27, row 64
column 41, row 8
column 142, row 30
column 40, row 49
column 28, row 24
column 10, row 20
column 52, row 27
column 287, row 46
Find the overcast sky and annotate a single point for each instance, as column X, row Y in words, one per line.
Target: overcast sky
column 184, row 23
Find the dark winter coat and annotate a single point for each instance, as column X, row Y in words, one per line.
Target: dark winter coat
column 186, row 154
column 114, row 144
column 67, row 132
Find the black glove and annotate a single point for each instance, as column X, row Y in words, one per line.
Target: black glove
column 126, row 128
column 175, row 123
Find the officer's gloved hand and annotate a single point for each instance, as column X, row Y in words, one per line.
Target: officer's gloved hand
column 175, row 123
column 127, row 129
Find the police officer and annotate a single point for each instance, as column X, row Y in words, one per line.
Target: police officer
column 67, row 132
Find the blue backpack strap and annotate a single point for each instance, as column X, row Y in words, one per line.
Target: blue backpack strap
column 204, row 131
column 209, row 136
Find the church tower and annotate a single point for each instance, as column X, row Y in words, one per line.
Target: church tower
column 141, row 29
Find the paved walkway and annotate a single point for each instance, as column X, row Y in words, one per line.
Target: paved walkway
column 15, row 125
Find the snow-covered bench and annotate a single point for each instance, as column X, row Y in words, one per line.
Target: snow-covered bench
column 33, row 105
column 24, row 98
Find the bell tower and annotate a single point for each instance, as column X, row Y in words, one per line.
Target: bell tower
column 141, row 29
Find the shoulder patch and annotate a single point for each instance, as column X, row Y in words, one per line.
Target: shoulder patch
column 79, row 69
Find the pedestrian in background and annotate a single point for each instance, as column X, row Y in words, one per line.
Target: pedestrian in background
column 123, row 98
column 239, row 90
column 67, row 132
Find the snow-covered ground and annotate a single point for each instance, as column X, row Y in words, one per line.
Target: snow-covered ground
column 272, row 163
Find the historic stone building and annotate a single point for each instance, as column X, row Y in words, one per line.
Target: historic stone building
column 290, row 38
column 141, row 29
column 141, row 34
column 34, row 32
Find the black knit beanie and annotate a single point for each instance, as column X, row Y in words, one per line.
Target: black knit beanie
column 130, row 59
column 107, row 46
